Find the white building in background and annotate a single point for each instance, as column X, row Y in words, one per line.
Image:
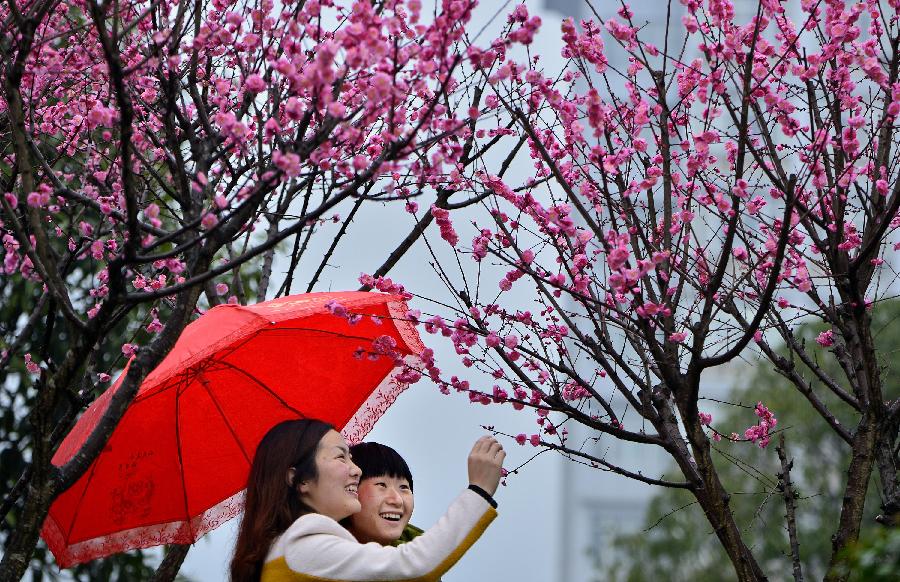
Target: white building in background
column 596, row 505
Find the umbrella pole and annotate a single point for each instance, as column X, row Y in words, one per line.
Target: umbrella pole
column 174, row 557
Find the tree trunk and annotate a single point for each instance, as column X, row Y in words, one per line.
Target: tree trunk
column 168, row 569
column 22, row 541
column 714, row 501
column 887, row 470
column 874, row 421
column 858, row 475
column 47, row 483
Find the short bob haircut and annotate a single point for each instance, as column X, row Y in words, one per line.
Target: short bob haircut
column 378, row 460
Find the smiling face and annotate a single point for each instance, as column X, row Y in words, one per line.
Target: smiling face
column 387, row 504
column 334, row 491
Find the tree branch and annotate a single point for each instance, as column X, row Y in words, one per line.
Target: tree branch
column 790, row 496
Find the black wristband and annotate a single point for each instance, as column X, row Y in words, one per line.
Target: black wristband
column 485, row 494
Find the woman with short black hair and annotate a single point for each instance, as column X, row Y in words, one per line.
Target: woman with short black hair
column 385, row 495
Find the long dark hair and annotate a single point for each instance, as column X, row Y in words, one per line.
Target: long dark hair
column 271, row 505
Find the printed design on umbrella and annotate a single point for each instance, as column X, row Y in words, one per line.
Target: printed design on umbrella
column 176, row 464
column 135, row 495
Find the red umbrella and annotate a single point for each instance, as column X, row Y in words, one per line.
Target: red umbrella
column 176, row 465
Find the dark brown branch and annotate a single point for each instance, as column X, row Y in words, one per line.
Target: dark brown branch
column 259, row 249
column 787, row 369
column 23, row 335
column 795, row 347
column 698, row 363
column 126, row 132
column 334, row 243
column 61, row 190
column 147, row 359
column 171, row 564
column 766, row 298
column 790, row 497
column 637, row 476
column 15, row 492
column 47, row 272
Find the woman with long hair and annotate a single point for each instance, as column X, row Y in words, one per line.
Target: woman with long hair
column 303, row 482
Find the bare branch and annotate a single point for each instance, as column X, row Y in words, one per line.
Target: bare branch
column 790, row 496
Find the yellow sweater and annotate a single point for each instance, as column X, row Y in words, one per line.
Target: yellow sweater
column 317, row 549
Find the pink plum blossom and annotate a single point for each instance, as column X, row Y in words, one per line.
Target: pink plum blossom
column 825, row 339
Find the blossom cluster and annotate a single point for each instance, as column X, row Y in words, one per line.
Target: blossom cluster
column 683, row 210
column 761, row 432
column 232, row 113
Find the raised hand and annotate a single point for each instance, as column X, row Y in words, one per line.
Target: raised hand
column 486, row 463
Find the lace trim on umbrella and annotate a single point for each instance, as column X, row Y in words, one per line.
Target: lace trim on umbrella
column 381, row 398
column 176, row 532
column 406, row 329
column 387, row 391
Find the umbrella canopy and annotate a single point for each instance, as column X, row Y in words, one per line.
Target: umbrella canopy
column 177, row 463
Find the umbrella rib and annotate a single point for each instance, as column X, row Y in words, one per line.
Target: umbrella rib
column 225, row 352
column 205, row 383
column 181, row 459
column 263, row 386
column 81, row 499
column 231, row 348
column 322, row 331
column 173, row 382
